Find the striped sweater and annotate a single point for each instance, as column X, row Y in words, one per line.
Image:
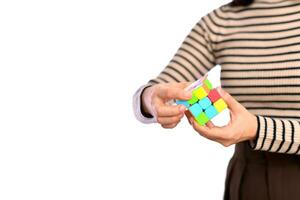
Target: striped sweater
column 258, row 48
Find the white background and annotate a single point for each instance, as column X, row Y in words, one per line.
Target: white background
column 68, row 70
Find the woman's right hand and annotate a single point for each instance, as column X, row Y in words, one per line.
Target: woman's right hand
column 155, row 102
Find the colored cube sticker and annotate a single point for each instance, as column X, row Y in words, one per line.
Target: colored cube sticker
column 214, row 95
column 200, row 92
column 202, row 119
column 208, row 84
column 204, row 103
column 185, row 103
column 207, row 90
column 193, row 100
column 220, row 105
column 211, row 112
column 195, row 109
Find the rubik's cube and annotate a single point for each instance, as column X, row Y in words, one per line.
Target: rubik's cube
column 206, row 102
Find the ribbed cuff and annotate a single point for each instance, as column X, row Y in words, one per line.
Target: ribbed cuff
column 137, row 107
column 254, row 143
column 276, row 135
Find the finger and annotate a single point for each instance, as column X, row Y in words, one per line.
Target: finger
column 210, row 124
column 163, row 110
column 213, row 133
column 181, row 85
column 174, row 93
column 189, row 116
column 222, row 142
column 192, row 119
column 168, row 126
column 169, row 120
column 231, row 102
column 197, row 127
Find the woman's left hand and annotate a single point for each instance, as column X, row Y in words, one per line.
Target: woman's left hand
column 242, row 126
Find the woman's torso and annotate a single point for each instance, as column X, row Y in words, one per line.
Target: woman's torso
column 260, row 59
column 260, row 56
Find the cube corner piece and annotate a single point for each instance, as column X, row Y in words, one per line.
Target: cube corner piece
column 208, row 84
column 202, row 119
column 200, row 92
column 222, row 119
column 220, row 105
column 193, row 100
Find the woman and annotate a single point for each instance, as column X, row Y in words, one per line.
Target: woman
column 257, row 44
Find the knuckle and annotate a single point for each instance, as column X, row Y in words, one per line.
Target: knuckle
column 158, row 87
column 166, row 126
column 153, row 104
column 226, row 144
column 154, row 92
column 199, row 132
column 157, row 90
column 168, row 93
column 175, row 119
column 159, row 120
column 153, row 96
column 234, row 137
column 155, row 110
column 173, row 125
column 158, row 109
column 195, row 127
column 229, row 135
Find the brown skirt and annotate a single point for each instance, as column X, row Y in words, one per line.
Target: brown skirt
column 258, row 175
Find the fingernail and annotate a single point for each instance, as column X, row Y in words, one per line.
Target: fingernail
column 182, row 108
column 187, row 94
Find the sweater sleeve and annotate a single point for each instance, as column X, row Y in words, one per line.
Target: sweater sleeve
column 277, row 135
column 193, row 59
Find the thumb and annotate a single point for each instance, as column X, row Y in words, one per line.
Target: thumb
column 183, row 85
column 233, row 104
column 175, row 93
column 180, row 85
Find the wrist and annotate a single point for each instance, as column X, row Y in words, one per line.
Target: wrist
column 254, row 127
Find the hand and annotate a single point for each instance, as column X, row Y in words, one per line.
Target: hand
column 155, row 102
column 242, row 126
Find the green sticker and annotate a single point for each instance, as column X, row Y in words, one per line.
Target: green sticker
column 202, row 119
column 208, row 84
column 193, row 100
